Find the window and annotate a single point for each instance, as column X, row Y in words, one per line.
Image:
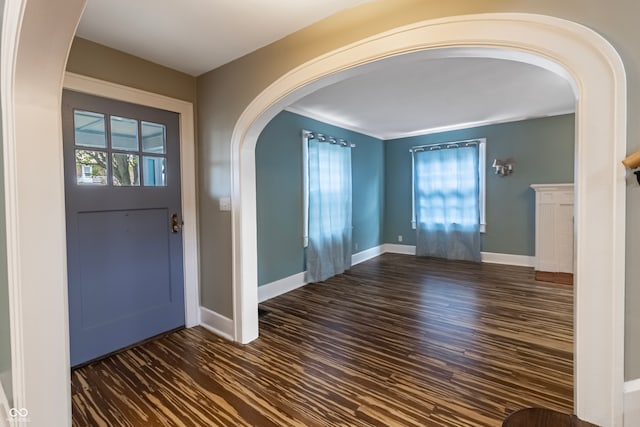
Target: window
column 481, row 181
column 334, row 182
column 327, row 184
column 110, row 155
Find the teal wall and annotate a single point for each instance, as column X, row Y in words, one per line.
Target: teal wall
column 542, row 148
column 544, row 153
column 279, row 193
column 5, row 331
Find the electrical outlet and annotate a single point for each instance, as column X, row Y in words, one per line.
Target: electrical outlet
column 399, row 237
column 356, row 246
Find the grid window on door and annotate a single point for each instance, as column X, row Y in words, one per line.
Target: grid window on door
column 109, row 150
column 154, row 149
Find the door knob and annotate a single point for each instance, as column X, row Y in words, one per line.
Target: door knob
column 176, row 224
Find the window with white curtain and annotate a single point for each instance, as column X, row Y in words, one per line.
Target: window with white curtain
column 327, row 205
column 482, row 158
column 446, row 200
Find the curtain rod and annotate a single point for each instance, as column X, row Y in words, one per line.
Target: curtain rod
column 453, row 144
column 327, row 138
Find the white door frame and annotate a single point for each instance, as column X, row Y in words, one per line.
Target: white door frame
column 596, row 72
column 118, row 92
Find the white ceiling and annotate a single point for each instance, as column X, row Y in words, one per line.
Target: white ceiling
column 413, row 95
column 196, row 36
column 401, row 96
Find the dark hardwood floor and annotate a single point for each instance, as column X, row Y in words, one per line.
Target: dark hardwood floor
column 396, row 341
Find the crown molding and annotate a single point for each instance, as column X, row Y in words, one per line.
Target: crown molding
column 419, row 132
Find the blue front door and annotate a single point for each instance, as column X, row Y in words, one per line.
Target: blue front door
column 123, row 210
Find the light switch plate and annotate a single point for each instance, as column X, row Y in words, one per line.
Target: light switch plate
column 225, row 204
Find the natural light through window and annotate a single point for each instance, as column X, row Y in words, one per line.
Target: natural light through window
column 115, row 155
column 446, row 188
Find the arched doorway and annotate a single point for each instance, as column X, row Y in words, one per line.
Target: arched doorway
column 597, row 75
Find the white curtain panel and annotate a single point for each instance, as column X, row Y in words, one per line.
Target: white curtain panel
column 446, row 184
column 329, row 250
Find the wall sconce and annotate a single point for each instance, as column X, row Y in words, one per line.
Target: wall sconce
column 503, row 167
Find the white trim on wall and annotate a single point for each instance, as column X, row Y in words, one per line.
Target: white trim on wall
column 12, row 20
column 367, row 254
column 282, row 286
column 296, row 109
column 596, row 73
column 487, row 257
column 632, row 403
column 216, row 323
column 295, row 281
column 508, row 259
column 106, row 89
column 396, row 248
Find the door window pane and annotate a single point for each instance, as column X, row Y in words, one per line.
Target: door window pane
column 154, row 171
column 89, row 129
column 124, row 134
column 125, row 169
column 91, row 167
column 153, row 138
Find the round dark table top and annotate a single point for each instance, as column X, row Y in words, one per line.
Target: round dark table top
column 539, row 417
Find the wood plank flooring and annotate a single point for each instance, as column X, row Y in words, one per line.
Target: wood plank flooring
column 396, row 341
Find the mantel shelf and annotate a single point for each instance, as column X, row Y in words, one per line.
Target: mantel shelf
column 552, row 187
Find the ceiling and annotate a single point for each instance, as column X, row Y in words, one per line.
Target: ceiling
column 401, row 96
column 418, row 94
column 196, row 36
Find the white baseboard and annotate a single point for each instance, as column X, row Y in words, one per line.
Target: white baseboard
column 295, row 281
column 394, row 248
column 282, row 286
column 632, row 403
column 508, row 259
column 216, row 323
column 488, row 257
column 367, row 254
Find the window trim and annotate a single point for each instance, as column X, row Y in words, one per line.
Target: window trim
column 482, row 178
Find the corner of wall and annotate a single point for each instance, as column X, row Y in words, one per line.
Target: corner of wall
column 216, row 323
column 632, row 403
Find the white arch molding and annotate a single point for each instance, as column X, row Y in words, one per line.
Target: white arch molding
column 597, row 75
